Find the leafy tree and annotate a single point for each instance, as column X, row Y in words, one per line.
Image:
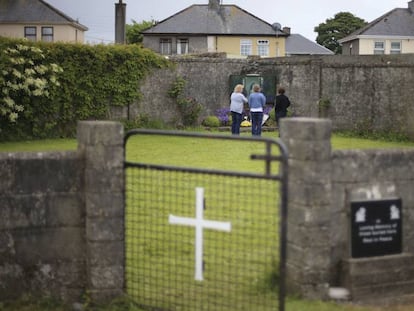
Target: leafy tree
column 133, row 31
column 334, row 29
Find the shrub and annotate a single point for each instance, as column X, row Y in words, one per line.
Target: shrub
column 211, row 121
column 93, row 79
column 189, row 107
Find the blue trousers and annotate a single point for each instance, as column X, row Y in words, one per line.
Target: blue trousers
column 236, row 119
column 257, row 118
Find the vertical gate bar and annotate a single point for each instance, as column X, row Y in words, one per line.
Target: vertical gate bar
column 268, row 158
column 283, row 226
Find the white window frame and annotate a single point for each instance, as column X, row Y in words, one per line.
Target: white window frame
column 393, row 49
column 165, row 46
column 47, row 34
column 377, row 49
column 182, row 46
column 246, row 47
column 263, row 48
column 29, row 34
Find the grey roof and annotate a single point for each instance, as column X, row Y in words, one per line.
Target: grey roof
column 297, row 44
column 200, row 19
column 34, row 11
column 397, row 22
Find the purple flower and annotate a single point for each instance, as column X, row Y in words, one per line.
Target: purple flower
column 223, row 115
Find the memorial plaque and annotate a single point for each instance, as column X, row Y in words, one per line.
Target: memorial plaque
column 376, row 228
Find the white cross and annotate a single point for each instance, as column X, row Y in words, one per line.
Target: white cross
column 199, row 223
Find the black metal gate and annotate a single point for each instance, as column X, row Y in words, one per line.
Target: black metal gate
column 208, row 230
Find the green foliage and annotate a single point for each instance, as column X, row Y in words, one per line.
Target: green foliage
column 143, row 121
column 379, row 136
column 25, row 75
column 93, row 79
column 334, row 29
column 177, row 88
column 133, row 31
column 323, row 107
column 189, row 107
column 211, row 121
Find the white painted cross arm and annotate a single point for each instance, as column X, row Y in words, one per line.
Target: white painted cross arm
column 199, row 223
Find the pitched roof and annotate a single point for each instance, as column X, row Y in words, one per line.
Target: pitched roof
column 34, row 11
column 201, row 19
column 397, row 22
column 297, row 44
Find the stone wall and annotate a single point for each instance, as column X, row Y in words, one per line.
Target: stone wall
column 368, row 92
column 322, row 185
column 61, row 218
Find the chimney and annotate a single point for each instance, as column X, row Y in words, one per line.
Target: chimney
column 214, row 4
column 120, row 20
column 411, row 6
column 286, row 30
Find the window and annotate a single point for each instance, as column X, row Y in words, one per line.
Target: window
column 47, row 34
column 263, row 47
column 245, row 47
column 379, row 47
column 165, row 46
column 182, row 46
column 30, row 33
column 395, row 47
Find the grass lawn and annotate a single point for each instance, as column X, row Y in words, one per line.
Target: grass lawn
column 220, row 155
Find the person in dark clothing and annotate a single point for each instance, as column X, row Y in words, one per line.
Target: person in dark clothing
column 282, row 102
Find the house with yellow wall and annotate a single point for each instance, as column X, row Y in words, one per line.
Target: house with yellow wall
column 216, row 28
column 37, row 20
column 391, row 33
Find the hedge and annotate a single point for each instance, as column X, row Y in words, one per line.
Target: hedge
column 92, row 79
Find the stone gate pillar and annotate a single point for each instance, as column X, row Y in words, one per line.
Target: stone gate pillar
column 100, row 144
column 308, row 247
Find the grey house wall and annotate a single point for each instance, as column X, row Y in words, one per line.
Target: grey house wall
column 368, row 92
column 62, row 216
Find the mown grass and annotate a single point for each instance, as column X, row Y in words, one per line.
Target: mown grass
column 220, row 155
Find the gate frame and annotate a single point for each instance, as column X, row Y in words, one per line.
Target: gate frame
column 282, row 176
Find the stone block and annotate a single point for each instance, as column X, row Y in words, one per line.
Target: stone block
column 6, row 173
column 65, row 209
column 372, row 191
column 21, row 211
column 109, row 204
column 385, row 276
column 308, row 216
column 107, row 277
column 98, row 181
column 352, row 166
column 108, row 253
column 50, row 172
column 306, row 129
column 309, row 150
column 105, row 229
column 103, row 157
column 312, row 172
column 49, row 244
column 309, row 194
column 99, row 132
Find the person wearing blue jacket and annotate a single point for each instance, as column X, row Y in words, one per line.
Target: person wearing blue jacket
column 257, row 101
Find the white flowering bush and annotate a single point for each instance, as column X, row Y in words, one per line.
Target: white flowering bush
column 25, row 74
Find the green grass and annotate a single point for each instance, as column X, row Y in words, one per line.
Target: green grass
column 204, row 153
column 338, row 142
